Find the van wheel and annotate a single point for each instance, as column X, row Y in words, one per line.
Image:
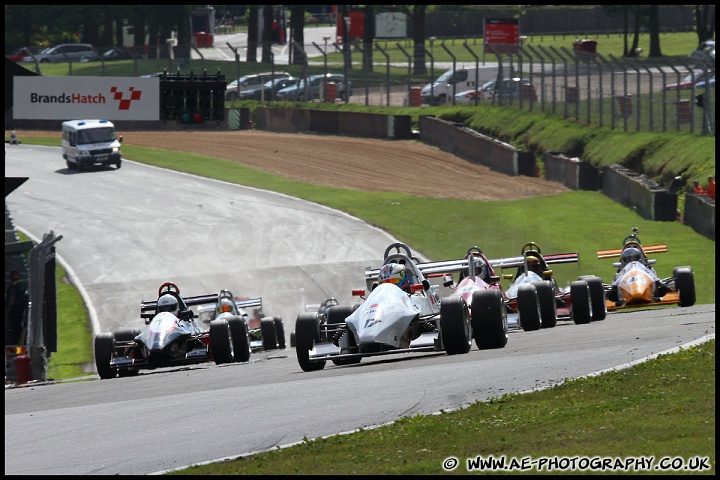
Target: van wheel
column 231, row 97
column 118, row 164
column 69, row 164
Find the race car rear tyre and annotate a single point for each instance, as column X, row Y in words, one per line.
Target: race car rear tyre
column 240, row 338
column 455, row 328
column 279, row 332
column 336, row 315
column 489, row 319
column 221, row 346
column 104, row 346
column 581, row 309
column 685, row 284
column 267, row 330
column 307, row 333
column 528, row 307
column 548, row 307
column 597, row 297
column 292, row 339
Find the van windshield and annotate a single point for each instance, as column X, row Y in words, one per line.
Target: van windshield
column 96, row 135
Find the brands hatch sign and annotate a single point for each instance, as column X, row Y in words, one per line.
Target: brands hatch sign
column 61, row 98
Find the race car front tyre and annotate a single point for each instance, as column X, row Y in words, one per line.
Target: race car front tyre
column 267, row 330
column 240, row 338
column 528, row 307
column 104, row 346
column 548, row 307
column 455, row 328
column 307, row 333
column 221, row 341
column 685, row 284
column 597, row 297
column 489, row 319
column 279, row 332
column 581, row 309
column 126, row 335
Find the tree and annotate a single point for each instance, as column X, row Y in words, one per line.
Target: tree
column 704, row 22
column 297, row 27
column 252, row 33
column 654, row 27
column 267, row 17
column 368, row 37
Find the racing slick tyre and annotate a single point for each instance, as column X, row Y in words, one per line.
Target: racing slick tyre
column 240, row 338
column 279, row 332
column 104, row 346
column 581, row 309
column 685, row 284
column 221, row 346
column 597, row 297
column 548, row 307
column 127, row 335
column 528, row 307
column 336, row 315
column 307, row 333
column 267, row 330
column 292, row 339
column 455, row 328
column 489, row 319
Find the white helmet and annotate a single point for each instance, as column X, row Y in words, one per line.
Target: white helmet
column 168, row 303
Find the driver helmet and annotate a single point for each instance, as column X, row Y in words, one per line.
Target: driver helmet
column 631, row 254
column 480, row 268
column 224, row 305
column 168, row 303
column 394, row 273
column 534, row 264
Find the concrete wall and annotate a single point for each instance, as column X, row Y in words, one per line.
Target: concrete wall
column 700, row 214
column 636, row 191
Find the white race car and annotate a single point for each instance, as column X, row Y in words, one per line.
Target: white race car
column 402, row 313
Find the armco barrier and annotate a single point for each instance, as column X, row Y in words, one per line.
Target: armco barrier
column 476, row 147
column 700, row 214
column 367, row 125
column 571, row 172
column 634, row 190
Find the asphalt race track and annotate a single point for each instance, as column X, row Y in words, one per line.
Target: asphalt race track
column 126, row 231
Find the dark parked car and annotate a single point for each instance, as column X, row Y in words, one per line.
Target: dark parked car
column 118, row 53
column 268, row 90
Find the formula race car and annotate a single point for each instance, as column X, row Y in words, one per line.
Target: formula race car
column 637, row 284
column 172, row 337
column 320, row 309
column 402, row 313
column 480, row 288
column 535, row 298
column 265, row 332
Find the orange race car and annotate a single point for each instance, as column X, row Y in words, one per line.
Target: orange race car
column 637, row 284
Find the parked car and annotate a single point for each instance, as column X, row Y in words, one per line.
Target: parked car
column 74, row 52
column 315, row 88
column 510, row 90
column 233, row 89
column 441, row 90
column 118, row 53
column 268, row 90
column 20, row 53
column 693, row 78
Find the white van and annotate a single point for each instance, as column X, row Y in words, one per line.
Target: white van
column 441, row 90
column 90, row 142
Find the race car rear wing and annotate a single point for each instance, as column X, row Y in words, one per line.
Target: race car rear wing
column 426, row 268
column 616, row 252
column 151, row 305
column 514, row 262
